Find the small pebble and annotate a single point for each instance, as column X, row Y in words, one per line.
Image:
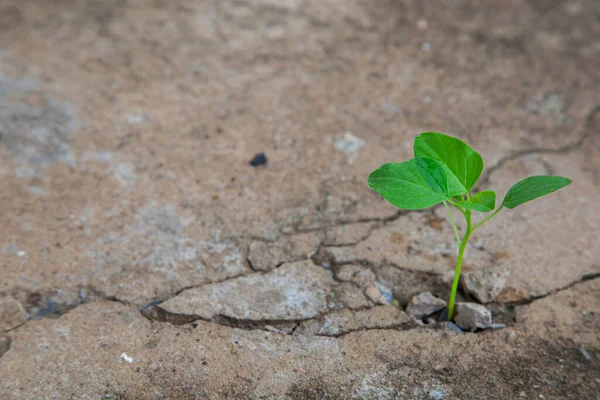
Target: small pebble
column 385, row 292
column 453, row 327
column 258, row 159
column 486, row 284
column 126, row 358
column 375, row 295
column 585, row 353
column 472, row 316
column 424, row 304
column 437, row 394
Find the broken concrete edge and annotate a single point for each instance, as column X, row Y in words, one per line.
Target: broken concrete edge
column 287, row 327
column 159, row 314
column 154, row 312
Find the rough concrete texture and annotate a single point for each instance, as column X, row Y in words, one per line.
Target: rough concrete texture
column 130, row 209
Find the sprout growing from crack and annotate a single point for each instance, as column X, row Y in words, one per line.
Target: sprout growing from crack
column 445, row 170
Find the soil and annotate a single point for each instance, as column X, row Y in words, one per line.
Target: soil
column 185, row 211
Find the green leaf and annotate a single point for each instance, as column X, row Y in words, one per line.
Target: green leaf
column 412, row 185
column 533, row 187
column 483, row 201
column 463, row 165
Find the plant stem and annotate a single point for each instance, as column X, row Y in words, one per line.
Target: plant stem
column 490, row 217
column 452, row 222
column 459, row 208
column 459, row 260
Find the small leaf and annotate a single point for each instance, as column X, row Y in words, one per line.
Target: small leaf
column 533, row 187
column 412, row 185
column 463, row 165
column 483, row 201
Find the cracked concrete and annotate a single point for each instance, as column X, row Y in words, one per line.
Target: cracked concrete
column 134, row 224
column 292, row 292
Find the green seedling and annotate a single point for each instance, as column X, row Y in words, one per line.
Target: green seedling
column 445, row 170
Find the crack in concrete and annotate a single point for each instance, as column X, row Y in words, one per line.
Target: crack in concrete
column 152, row 311
column 576, row 145
column 155, row 313
column 53, row 310
column 178, row 292
column 383, row 221
column 531, row 299
column 405, row 326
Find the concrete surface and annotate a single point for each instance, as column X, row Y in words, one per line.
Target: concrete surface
column 133, row 223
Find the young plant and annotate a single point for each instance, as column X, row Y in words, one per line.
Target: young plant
column 444, row 170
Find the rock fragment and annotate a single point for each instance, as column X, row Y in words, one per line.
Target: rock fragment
column 12, row 313
column 347, row 295
column 471, row 316
column 424, row 304
column 485, row 285
column 258, row 159
column 373, row 294
column 356, row 274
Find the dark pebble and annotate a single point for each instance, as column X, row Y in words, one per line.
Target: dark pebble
column 453, row 327
column 258, row 159
column 444, row 315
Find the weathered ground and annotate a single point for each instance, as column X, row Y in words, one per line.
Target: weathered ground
column 133, row 223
